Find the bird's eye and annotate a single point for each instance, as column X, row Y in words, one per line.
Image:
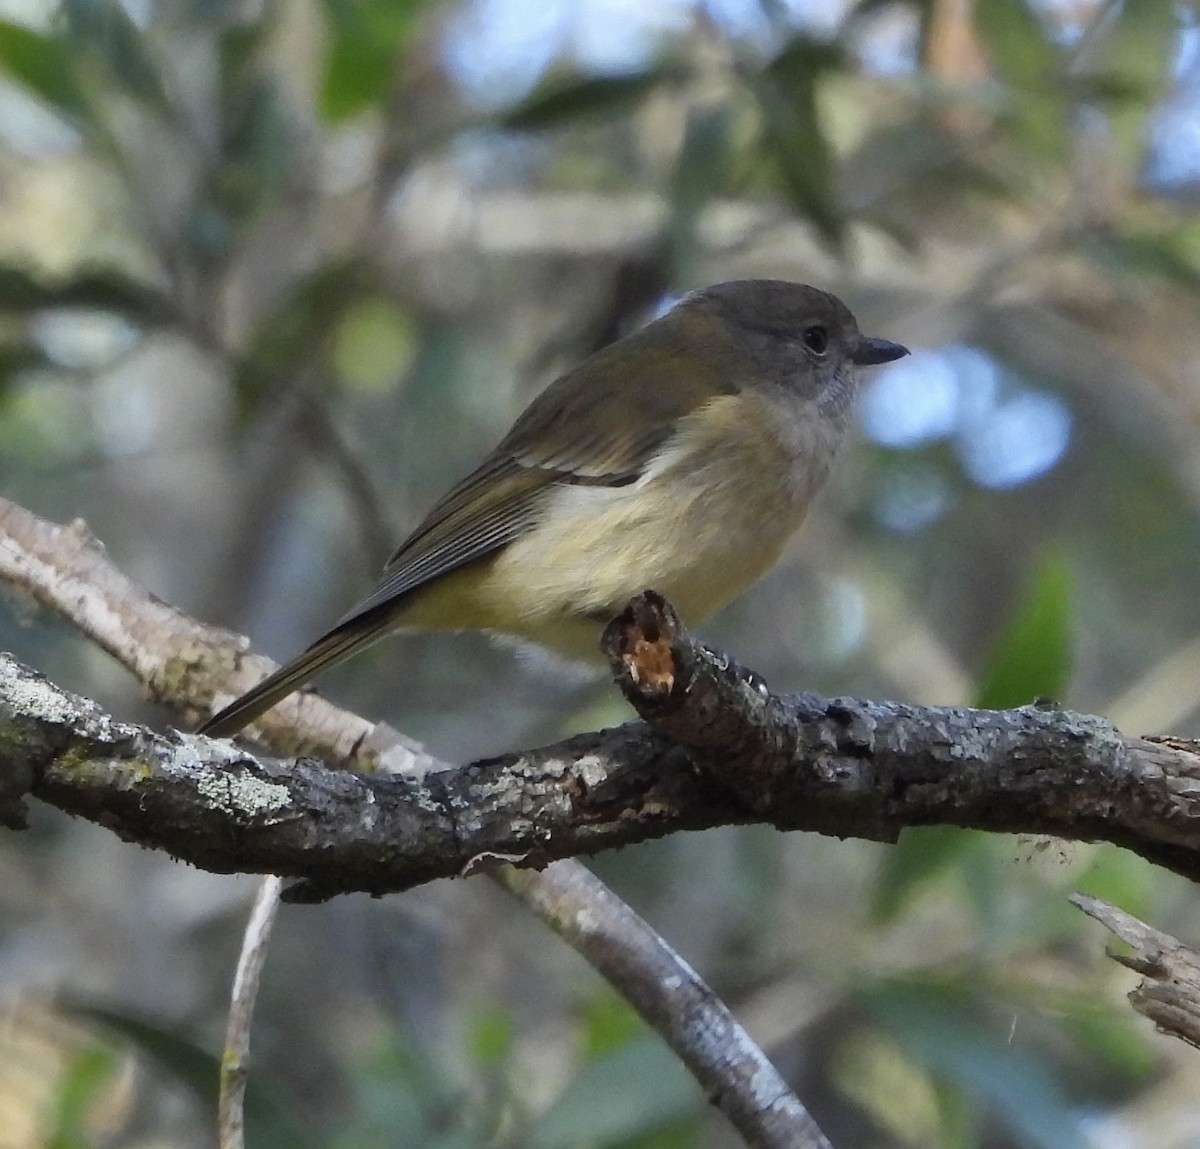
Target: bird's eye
column 816, row 339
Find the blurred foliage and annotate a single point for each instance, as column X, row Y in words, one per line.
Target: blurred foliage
column 1031, row 662
column 567, row 101
column 269, row 1112
column 793, row 136
column 87, row 1080
column 944, row 1029
column 273, row 274
column 1032, row 659
column 365, row 42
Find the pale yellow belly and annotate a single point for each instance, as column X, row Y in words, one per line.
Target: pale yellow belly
column 698, row 536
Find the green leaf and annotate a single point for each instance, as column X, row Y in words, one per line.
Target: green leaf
column 915, row 159
column 369, row 36
column 99, row 289
column 240, row 46
column 1139, row 52
column 609, row 1022
column 259, row 152
column 491, row 1035
column 18, row 357
column 1017, row 44
column 271, row 1121
column 180, row 1055
column 1152, row 254
column 290, row 335
column 922, row 854
column 1123, row 879
column 786, row 92
column 108, row 289
column 941, row 1029
column 358, row 72
column 1140, row 45
column 1033, row 70
column 90, row 1072
column 257, row 144
column 404, row 1098
column 45, row 66
column 374, row 345
column 959, row 1117
column 1113, row 1043
column 567, row 100
column 699, row 173
column 41, row 427
column 1032, row 658
column 20, row 291
column 703, row 159
column 863, row 9
column 103, row 29
column 102, row 289
column 680, row 1135
column 15, row 359
column 609, row 1101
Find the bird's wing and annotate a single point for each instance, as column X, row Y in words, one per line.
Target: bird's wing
column 599, row 425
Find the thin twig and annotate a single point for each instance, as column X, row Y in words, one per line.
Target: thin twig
column 734, row 1073
column 236, row 1054
column 1169, row 994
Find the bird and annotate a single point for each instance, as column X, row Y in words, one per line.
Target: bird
column 680, row 458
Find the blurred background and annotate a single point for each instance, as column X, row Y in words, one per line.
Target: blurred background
column 274, row 274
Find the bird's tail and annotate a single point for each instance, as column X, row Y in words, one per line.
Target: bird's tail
column 328, row 651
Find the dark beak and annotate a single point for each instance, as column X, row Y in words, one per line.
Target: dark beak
column 871, row 352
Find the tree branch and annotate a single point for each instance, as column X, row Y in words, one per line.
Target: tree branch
column 228, row 811
column 838, row 766
column 733, row 1072
column 842, row 767
column 869, row 769
column 1169, row 994
column 180, row 661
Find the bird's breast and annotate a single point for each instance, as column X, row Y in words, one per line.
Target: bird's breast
column 710, row 514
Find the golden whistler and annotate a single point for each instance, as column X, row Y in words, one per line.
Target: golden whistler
column 681, row 458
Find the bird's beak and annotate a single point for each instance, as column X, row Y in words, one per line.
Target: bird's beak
column 871, row 352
